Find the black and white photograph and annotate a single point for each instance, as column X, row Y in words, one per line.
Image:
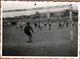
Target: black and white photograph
column 39, row 28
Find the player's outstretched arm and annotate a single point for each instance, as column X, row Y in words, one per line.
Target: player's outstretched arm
column 31, row 29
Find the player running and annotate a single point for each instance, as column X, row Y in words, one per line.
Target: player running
column 27, row 31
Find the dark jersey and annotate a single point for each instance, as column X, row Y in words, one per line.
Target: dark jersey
column 28, row 29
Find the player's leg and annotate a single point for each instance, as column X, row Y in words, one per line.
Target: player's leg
column 30, row 38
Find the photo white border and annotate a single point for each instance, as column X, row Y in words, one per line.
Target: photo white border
column 39, row 56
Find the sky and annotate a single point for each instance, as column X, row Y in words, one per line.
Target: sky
column 12, row 5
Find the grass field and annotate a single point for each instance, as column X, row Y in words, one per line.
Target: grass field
column 45, row 43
